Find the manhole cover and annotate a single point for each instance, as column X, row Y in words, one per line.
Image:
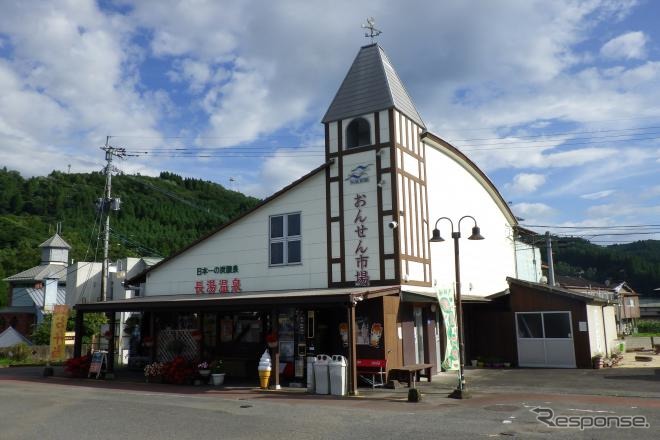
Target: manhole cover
column 502, row 408
column 246, row 406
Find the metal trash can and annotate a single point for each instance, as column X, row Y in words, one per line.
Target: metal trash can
column 338, row 372
column 321, row 378
column 311, row 360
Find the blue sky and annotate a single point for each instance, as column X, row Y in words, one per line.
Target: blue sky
column 558, row 102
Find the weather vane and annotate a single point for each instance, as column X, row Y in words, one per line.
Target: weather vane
column 373, row 32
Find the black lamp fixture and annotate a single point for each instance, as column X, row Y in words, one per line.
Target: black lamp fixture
column 461, row 391
column 476, row 233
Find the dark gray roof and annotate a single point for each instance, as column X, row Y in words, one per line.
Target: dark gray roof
column 39, row 273
column 11, row 337
column 55, row 242
column 371, row 84
column 583, row 296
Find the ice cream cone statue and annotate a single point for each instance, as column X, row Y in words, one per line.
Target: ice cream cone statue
column 264, row 370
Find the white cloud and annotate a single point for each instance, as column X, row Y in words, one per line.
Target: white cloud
column 631, row 45
column 282, row 169
column 533, row 211
column 69, row 82
column 598, row 195
column 525, row 183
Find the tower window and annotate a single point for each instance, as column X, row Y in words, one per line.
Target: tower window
column 358, row 133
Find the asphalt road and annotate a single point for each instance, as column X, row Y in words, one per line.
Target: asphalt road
column 35, row 408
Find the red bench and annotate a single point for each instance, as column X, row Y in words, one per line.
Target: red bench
column 372, row 371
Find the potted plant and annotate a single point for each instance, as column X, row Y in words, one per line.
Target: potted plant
column 178, row 371
column 597, row 361
column 217, row 373
column 204, row 369
column 153, row 372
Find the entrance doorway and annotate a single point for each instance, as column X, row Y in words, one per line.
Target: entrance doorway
column 419, row 335
column 545, row 339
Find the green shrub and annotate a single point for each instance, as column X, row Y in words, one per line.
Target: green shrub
column 16, row 353
column 646, row 326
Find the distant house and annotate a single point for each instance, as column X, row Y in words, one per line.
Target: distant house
column 10, row 337
column 649, row 308
column 35, row 291
column 83, row 285
column 626, row 299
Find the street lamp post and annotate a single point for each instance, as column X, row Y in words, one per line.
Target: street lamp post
column 461, row 391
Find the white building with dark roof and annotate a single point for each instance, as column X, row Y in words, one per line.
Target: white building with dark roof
column 35, row 291
column 339, row 261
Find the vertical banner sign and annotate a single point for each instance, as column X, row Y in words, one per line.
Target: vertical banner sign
column 57, row 331
column 448, row 308
column 361, row 259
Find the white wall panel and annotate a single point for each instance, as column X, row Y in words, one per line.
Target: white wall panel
column 454, row 192
column 335, row 237
column 333, row 144
column 397, row 127
column 389, row 269
column 386, row 191
column 415, row 271
column 385, row 157
column 334, row 199
column 334, row 169
column 388, row 235
column 384, row 121
column 336, row 272
column 410, row 164
column 245, row 244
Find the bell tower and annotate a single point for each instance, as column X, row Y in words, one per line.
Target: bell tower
column 376, row 202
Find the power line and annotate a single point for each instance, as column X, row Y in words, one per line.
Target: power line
column 560, row 133
column 591, row 227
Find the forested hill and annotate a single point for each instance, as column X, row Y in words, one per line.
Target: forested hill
column 637, row 263
column 157, row 216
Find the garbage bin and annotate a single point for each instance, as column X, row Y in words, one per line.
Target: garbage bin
column 321, row 379
column 338, row 380
column 310, row 374
column 621, row 345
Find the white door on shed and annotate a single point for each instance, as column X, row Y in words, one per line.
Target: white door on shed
column 545, row 339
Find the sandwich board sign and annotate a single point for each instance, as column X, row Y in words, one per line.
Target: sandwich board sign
column 99, row 360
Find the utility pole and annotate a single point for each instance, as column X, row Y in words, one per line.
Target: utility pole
column 551, row 265
column 106, row 205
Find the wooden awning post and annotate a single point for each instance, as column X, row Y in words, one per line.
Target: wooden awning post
column 276, row 350
column 352, row 351
column 77, row 339
column 110, row 368
column 152, row 334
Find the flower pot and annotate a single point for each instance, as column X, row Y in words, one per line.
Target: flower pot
column 598, row 362
column 217, row 379
column 473, row 362
column 204, row 373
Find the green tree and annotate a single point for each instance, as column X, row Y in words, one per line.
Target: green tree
column 92, row 323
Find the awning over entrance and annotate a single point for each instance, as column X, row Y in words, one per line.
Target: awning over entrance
column 428, row 295
column 418, row 295
column 317, row 297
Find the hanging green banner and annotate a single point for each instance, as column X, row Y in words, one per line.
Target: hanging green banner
column 448, row 309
